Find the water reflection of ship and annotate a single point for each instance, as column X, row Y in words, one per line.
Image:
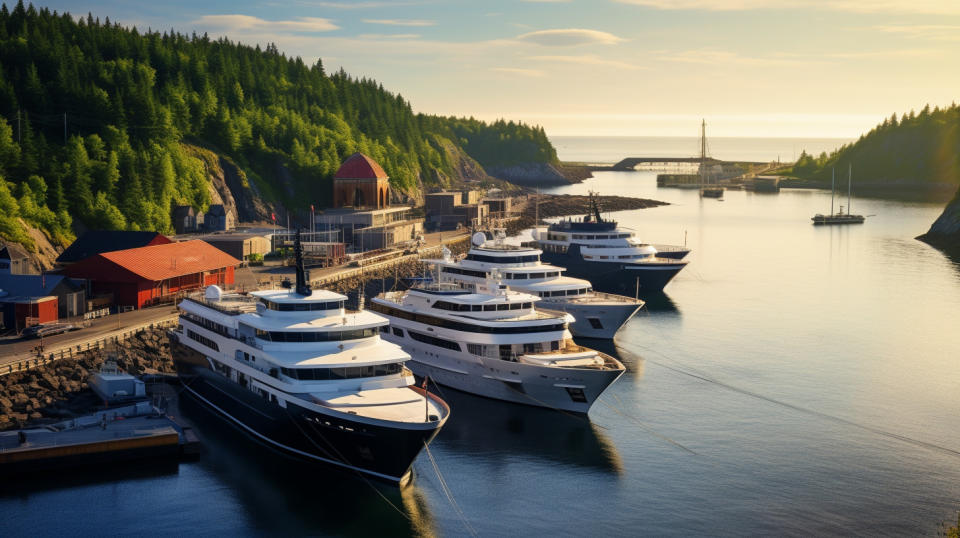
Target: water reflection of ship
column 284, row 497
column 659, row 303
column 493, row 429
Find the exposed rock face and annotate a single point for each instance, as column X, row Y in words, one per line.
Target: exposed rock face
column 531, row 174
column 230, row 186
column 945, row 231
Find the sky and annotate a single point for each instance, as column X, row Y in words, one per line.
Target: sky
column 765, row 68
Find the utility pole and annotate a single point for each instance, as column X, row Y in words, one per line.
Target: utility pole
column 64, row 128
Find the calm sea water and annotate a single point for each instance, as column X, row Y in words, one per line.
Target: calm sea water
column 792, row 381
column 610, row 149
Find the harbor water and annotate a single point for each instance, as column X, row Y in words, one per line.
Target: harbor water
column 793, row 380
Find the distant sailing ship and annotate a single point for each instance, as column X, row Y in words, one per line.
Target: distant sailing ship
column 706, row 190
column 841, row 217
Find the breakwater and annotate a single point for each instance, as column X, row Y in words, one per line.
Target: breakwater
column 58, row 390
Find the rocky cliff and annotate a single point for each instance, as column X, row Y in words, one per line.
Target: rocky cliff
column 945, row 231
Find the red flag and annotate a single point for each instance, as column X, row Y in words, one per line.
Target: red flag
column 425, row 382
column 273, row 216
column 311, row 208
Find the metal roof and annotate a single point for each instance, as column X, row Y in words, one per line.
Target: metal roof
column 99, row 241
column 160, row 262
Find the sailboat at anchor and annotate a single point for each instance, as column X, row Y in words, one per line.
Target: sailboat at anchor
column 841, row 217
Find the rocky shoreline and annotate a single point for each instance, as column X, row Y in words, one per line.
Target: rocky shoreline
column 59, row 390
column 541, row 174
column 944, row 233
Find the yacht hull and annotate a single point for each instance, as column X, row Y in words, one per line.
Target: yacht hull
column 516, row 382
column 613, row 277
column 384, row 453
column 594, row 320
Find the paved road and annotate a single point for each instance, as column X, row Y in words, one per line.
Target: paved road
column 11, row 349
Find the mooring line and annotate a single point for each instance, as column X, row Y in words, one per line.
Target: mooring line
column 446, row 491
column 839, row 420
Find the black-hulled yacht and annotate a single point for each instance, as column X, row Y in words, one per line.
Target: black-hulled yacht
column 610, row 257
column 299, row 373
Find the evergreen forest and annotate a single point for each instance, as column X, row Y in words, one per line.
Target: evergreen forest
column 106, row 125
column 914, row 149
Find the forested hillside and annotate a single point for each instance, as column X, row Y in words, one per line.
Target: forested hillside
column 916, row 148
column 97, row 123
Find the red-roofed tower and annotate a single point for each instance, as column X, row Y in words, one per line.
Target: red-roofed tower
column 361, row 183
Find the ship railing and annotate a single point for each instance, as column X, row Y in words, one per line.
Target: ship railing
column 230, row 305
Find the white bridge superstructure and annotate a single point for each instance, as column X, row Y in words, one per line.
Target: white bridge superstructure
column 596, row 314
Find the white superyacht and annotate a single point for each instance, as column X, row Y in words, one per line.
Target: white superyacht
column 299, row 373
column 596, row 314
column 493, row 342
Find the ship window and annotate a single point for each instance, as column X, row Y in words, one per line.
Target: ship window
column 203, row 340
column 397, row 331
column 527, row 305
column 604, row 257
column 515, row 306
column 502, row 259
column 536, row 275
column 520, row 276
column 464, row 308
column 475, row 349
column 302, row 307
column 434, row 341
column 315, row 336
column 476, row 308
column 503, row 306
column 576, row 394
column 489, row 307
column 353, row 372
column 384, row 328
column 458, row 325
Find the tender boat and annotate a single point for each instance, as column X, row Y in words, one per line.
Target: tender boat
column 493, row 342
column 596, row 314
column 299, row 373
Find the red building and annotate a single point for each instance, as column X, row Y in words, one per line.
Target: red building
column 144, row 276
column 34, row 311
column 361, row 183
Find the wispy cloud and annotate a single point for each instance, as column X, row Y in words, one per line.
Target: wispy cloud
column 570, row 36
column 936, row 32
column 588, row 59
column 518, row 71
column 241, row 23
column 389, row 36
column 401, row 22
column 943, row 7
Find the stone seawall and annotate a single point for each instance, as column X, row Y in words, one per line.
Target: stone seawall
column 59, row 390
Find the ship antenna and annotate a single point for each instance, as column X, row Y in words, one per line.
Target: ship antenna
column 302, row 287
